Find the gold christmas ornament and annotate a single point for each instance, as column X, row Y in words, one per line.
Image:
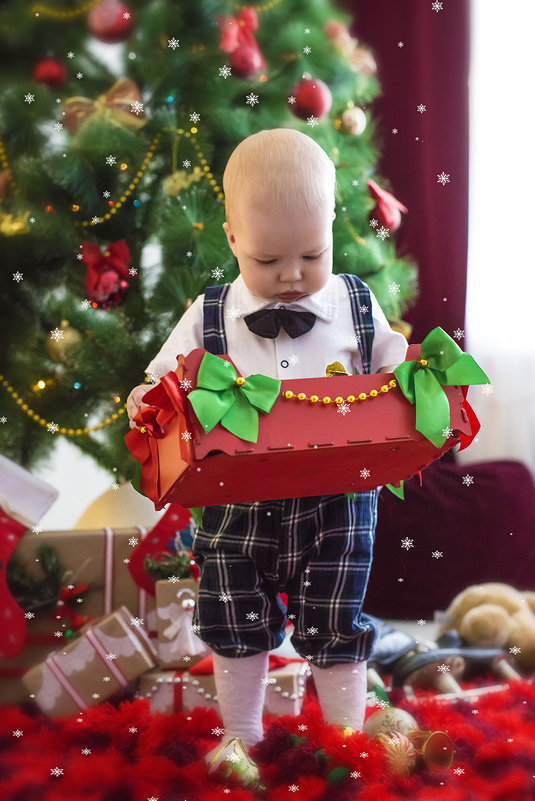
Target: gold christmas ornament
column 354, row 120
column 11, row 224
column 390, row 720
column 59, row 345
column 180, row 180
column 399, row 751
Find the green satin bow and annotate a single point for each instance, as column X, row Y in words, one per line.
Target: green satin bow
column 223, row 397
column 442, row 363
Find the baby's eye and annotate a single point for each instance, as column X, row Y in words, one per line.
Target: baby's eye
column 311, row 258
column 271, row 261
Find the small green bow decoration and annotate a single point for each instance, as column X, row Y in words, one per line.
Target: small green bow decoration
column 223, row 397
column 441, row 363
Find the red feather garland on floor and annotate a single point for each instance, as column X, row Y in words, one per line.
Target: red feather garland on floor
column 126, row 754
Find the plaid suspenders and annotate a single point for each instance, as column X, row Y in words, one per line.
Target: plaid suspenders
column 361, row 307
column 215, row 340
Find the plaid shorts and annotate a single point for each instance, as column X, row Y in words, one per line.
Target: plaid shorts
column 317, row 550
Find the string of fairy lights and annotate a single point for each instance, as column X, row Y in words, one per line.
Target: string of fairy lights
column 65, row 15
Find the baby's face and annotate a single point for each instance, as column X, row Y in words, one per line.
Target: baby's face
column 282, row 256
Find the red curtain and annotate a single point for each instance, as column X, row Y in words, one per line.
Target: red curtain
column 429, row 69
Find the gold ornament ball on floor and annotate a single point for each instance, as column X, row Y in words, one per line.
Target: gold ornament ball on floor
column 390, row 720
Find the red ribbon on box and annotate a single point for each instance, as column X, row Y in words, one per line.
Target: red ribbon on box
column 165, row 401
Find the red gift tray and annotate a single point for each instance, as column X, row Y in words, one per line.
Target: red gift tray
column 303, row 448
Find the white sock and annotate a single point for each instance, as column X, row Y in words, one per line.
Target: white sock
column 341, row 691
column 241, row 688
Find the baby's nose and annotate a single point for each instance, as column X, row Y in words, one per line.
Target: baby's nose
column 291, row 272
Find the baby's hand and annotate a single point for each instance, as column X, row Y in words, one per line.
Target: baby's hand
column 134, row 402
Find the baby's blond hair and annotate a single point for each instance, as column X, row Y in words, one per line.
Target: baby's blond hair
column 279, row 168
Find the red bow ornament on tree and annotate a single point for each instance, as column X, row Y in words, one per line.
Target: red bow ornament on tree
column 107, row 272
column 238, row 39
column 388, row 209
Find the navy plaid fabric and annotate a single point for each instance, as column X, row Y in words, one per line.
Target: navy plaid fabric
column 317, row 550
column 361, row 307
column 215, row 340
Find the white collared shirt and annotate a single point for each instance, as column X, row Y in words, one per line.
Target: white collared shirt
column 332, row 338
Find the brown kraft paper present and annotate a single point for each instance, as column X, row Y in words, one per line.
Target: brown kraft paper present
column 98, row 558
column 107, row 656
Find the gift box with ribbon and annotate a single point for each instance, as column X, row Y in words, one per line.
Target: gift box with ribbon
column 102, row 661
column 210, row 436
column 178, row 645
column 96, row 567
column 181, row 691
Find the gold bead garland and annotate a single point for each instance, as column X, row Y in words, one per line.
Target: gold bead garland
column 38, row 10
column 135, row 180
column 208, row 174
column 68, row 432
column 374, row 393
column 204, row 163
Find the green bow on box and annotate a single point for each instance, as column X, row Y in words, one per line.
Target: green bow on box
column 222, row 396
column 441, row 363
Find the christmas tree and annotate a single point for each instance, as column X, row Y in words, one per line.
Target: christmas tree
column 116, row 122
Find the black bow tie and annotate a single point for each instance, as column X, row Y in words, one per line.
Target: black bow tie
column 267, row 322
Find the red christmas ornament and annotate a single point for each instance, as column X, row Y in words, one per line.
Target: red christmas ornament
column 50, row 71
column 246, row 62
column 312, row 98
column 110, row 21
column 388, row 209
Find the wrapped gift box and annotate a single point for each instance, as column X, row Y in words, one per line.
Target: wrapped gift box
column 178, row 645
column 98, row 558
column 103, row 660
column 172, row 691
column 303, row 448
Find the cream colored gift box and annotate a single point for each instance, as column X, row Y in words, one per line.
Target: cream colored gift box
column 105, row 659
column 179, row 691
column 178, row 645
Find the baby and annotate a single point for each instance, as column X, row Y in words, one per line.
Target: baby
column 287, row 316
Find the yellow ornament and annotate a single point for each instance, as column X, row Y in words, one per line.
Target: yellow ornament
column 180, row 180
column 59, row 345
column 10, row 224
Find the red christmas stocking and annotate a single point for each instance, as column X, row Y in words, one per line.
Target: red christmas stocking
column 157, row 540
column 23, row 497
column 12, row 619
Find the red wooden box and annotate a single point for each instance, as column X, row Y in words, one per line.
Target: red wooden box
column 303, row 448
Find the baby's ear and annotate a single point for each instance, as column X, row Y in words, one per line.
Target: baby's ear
column 230, row 236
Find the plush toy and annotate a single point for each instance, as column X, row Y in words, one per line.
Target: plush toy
column 495, row 615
